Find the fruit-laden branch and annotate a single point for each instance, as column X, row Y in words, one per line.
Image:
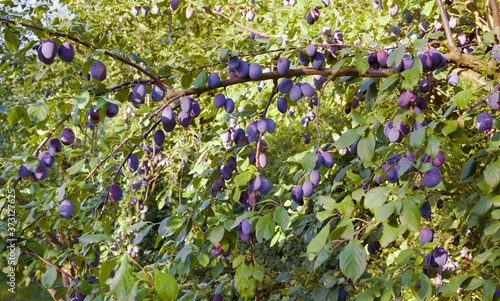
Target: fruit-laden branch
column 50, row 264
column 346, row 71
column 214, row 12
column 89, row 45
column 35, row 153
column 127, row 139
column 446, row 25
column 125, row 160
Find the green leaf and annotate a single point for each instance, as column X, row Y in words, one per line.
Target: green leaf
column 450, row 127
column 309, row 161
column 462, row 98
column 366, row 147
column 76, row 167
column 265, row 227
column 383, row 213
column 404, row 256
column 452, row 287
column 467, row 169
column 216, row 234
column 410, row 215
column 281, row 217
column 483, row 205
column 361, row 64
column 93, row 238
column 353, row 260
column 82, row 97
column 318, row 242
column 417, row 138
column 243, row 179
column 428, row 7
column 388, row 82
column 201, row 79
column 412, row 76
column 376, row 197
column 389, row 234
column 11, row 41
column 166, row 286
column 123, row 282
column 138, row 239
column 492, row 174
column 347, row 139
column 489, row 288
column 39, row 111
column 203, row 259
column 175, row 222
column 106, row 268
column 419, row 44
column 396, row 56
column 432, row 148
column 15, row 115
column 49, row 277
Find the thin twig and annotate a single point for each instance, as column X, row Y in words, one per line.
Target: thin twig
column 50, row 264
column 254, row 31
column 317, row 108
column 39, row 217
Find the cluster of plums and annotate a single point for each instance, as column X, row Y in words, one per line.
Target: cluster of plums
column 190, row 109
column 48, row 50
column 313, row 15
column 256, row 188
column 39, row 171
column 324, row 158
column 244, row 229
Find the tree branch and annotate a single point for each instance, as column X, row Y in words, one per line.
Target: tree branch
column 89, row 45
column 50, row 264
column 39, row 217
column 496, row 18
column 446, row 25
column 265, row 35
column 344, row 71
